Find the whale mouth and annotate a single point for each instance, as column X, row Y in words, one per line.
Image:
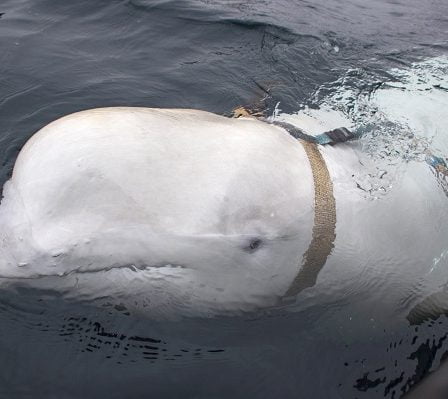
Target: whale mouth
column 132, row 266
column 89, row 270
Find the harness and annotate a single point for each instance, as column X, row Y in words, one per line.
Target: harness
column 324, row 228
column 331, row 137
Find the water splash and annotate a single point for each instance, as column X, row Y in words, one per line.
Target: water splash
column 400, row 119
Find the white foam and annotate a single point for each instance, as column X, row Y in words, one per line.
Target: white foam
column 417, row 103
column 316, row 121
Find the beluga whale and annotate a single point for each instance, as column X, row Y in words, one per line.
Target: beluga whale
column 185, row 212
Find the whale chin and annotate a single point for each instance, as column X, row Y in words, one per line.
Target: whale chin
column 163, row 292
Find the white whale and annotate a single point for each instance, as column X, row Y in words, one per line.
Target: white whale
column 184, row 211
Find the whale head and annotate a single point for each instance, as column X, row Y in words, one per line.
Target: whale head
column 164, row 210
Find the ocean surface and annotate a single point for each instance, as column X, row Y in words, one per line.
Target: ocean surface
column 379, row 67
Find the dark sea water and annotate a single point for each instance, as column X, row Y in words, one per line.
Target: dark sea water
column 58, row 57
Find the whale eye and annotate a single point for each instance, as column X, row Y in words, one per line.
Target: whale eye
column 254, row 244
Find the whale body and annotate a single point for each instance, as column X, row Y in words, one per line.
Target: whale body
column 194, row 213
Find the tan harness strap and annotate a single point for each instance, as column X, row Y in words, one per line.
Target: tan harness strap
column 324, row 229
